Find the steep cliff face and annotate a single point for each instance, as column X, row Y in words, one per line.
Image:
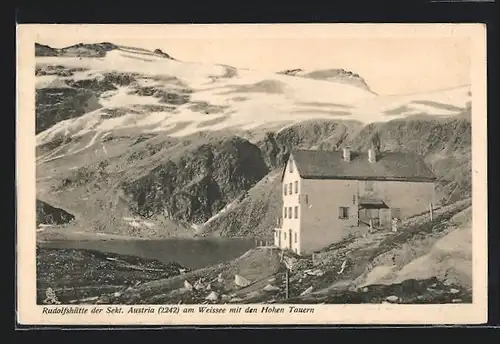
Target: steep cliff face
column 445, row 144
column 317, row 134
column 58, row 104
column 193, row 187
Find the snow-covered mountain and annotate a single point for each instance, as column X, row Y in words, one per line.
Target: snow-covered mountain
column 142, row 90
column 137, row 142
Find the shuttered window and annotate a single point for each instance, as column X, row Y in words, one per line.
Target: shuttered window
column 290, row 212
column 284, row 212
column 290, row 188
column 296, row 212
column 296, row 187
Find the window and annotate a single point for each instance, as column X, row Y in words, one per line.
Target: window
column 284, row 235
column 284, row 213
column 307, row 199
column 296, row 212
column 354, row 199
column 295, row 237
column 343, row 212
column 290, row 166
column 296, row 187
column 289, row 212
column 285, row 189
column 368, row 185
column 290, row 188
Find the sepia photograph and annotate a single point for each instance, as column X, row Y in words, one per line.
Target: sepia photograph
column 275, row 169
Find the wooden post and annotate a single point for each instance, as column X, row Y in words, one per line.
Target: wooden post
column 431, row 211
column 287, row 283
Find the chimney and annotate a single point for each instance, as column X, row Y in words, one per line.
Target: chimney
column 372, row 155
column 346, row 154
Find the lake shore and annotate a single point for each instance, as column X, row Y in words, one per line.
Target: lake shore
column 49, row 234
column 62, row 234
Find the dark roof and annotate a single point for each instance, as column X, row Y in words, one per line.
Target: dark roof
column 316, row 164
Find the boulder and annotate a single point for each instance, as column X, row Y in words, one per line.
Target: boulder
column 270, row 288
column 188, row 285
column 213, row 296
column 241, row 281
column 392, row 298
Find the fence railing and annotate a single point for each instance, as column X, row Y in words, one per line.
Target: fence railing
column 264, row 242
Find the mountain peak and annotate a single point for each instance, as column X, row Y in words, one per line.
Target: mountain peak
column 91, row 50
column 76, row 50
column 334, row 74
column 44, row 50
column 161, row 53
column 104, row 45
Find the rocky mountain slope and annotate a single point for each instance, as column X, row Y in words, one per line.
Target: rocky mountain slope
column 49, row 215
column 445, row 144
column 84, row 275
column 134, row 142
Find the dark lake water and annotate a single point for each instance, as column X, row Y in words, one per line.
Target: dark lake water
column 193, row 253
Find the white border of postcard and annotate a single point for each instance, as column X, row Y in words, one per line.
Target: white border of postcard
column 30, row 313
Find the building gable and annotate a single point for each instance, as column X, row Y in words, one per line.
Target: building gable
column 290, row 167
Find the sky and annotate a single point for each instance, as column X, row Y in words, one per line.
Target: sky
column 390, row 64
